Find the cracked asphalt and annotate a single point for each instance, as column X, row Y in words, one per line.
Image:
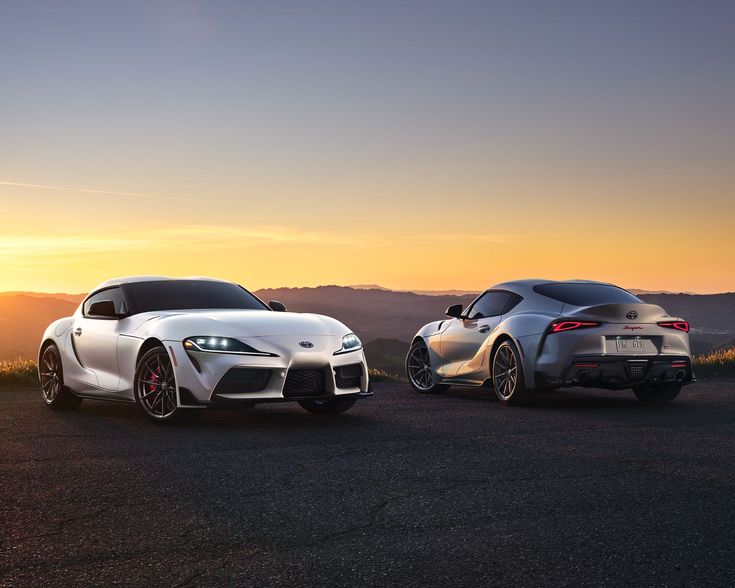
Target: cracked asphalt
column 582, row 488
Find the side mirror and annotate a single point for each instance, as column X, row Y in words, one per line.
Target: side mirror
column 455, row 311
column 103, row 308
column 277, row 306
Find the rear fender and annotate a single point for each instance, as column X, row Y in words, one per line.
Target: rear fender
column 526, row 330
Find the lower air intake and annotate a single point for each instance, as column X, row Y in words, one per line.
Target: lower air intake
column 348, row 376
column 238, row 380
column 304, row 382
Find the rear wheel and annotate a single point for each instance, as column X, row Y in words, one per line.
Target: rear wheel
column 327, row 405
column 155, row 389
column 419, row 371
column 656, row 394
column 507, row 375
column 51, row 374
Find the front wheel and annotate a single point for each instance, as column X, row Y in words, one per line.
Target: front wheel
column 419, row 371
column 155, row 389
column 656, row 394
column 51, row 373
column 507, row 375
column 327, row 405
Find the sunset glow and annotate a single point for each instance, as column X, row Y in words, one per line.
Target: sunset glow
column 345, row 150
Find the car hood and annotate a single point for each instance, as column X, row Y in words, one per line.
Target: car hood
column 177, row 325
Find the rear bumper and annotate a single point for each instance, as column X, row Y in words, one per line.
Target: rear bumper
column 616, row 371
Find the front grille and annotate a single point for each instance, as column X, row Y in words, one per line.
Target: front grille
column 304, row 382
column 238, row 380
column 348, row 376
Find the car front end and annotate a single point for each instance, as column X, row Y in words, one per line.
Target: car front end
column 215, row 370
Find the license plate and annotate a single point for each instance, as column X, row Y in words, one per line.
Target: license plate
column 634, row 345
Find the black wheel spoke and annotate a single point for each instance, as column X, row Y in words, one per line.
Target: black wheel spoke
column 156, row 385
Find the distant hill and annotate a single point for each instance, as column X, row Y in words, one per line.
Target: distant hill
column 76, row 298
column 384, row 319
column 423, row 292
column 373, row 314
column 707, row 313
column 24, row 317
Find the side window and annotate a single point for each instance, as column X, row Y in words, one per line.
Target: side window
column 513, row 301
column 489, row 304
column 113, row 294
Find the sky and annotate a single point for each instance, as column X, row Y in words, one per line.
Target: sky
column 426, row 145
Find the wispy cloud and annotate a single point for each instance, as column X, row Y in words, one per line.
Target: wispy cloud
column 214, row 237
column 91, row 191
column 465, row 237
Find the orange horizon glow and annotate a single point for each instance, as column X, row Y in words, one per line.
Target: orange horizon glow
column 60, row 254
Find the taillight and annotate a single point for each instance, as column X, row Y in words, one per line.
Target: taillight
column 567, row 325
column 679, row 325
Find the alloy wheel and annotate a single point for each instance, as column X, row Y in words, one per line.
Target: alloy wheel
column 419, row 368
column 156, row 386
column 505, row 372
column 50, row 372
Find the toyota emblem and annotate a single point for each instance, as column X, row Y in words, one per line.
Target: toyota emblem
column 632, row 315
column 307, row 344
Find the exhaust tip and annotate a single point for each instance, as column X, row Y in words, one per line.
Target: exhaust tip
column 582, row 376
column 680, row 375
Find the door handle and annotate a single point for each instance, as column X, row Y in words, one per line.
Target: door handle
column 78, row 331
column 484, row 328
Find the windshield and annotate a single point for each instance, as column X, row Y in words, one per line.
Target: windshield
column 586, row 294
column 187, row 295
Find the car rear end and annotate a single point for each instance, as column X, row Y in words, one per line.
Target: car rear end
column 614, row 345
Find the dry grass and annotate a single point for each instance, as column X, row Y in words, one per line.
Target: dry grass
column 383, row 376
column 19, row 372
column 719, row 361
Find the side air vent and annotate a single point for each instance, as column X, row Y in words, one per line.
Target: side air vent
column 348, row 376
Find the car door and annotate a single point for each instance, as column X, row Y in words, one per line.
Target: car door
column 464, row 337
column 95, row 339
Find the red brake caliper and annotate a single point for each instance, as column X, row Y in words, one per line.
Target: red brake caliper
column 154, row 381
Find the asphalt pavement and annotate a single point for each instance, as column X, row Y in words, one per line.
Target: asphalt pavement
column 583, row 488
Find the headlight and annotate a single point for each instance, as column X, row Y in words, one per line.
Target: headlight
column 221, row 345
column 350, row 342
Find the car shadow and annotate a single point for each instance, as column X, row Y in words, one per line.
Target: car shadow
column 284, row 416
column 565, row 399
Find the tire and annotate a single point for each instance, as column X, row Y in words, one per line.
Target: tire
column 327, row 405
column 419, row 372
column 155, row 389
column 507, row 376
column 51, row 375
column 656, row 394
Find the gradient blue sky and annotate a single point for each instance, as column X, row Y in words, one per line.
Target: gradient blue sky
column 434, row 144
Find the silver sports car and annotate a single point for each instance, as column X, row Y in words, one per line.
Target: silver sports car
column 175, row 346
column 529, row 335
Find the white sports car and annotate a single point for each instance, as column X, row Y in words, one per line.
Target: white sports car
column 174, row 346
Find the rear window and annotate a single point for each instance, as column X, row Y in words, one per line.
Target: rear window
column 189, row 294
column 586, row 294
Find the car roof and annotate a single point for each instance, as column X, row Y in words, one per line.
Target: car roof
column 526, row 286
column 134, row 279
